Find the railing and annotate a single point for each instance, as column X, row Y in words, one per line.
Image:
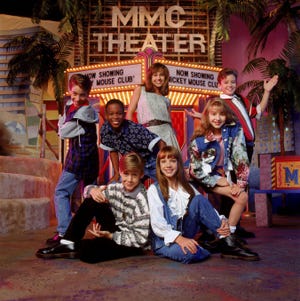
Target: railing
column 42, row 133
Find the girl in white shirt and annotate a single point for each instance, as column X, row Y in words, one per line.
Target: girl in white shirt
column 177, row 212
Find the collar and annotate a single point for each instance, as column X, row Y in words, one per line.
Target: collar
column 180, row 191
column 72, row 108
column 225, row 96
column 234, row 96
column 122, row 128
column 133, row 194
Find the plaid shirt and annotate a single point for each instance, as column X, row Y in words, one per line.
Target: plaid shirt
column 82, row 157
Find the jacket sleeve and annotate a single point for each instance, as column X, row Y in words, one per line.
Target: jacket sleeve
column 87, row 114
column 200, row 167
column 70, row 129
column 86, row 192
column 240, row 159
column 253, row 111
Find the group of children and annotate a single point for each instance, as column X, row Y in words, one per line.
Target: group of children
column 171, row 213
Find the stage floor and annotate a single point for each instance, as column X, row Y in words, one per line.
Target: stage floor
column 146, row 278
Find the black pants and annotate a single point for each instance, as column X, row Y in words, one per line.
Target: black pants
column 97, row 249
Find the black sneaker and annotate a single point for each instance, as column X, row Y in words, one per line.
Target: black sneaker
column 213, row 246
column 50, row 242
column 58, row 251
column 241, row 242
column 230, row 248
column 243, row 233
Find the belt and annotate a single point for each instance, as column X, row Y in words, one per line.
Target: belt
column 155, row 122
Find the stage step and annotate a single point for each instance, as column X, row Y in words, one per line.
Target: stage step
column 27, row 188
column 23, row 186
column 22, row 214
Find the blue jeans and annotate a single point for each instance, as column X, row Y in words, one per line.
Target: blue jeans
column 200, row 211
column 66, row 185
column 150, row 168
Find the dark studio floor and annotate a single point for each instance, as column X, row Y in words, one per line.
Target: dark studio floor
column 275, row 277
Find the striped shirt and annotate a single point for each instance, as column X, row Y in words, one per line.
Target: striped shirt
column 131, row 212
column 244, row 111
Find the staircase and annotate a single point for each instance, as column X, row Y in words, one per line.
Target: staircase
column 27, row 193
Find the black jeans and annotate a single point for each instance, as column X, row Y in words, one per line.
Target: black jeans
column 97, row 249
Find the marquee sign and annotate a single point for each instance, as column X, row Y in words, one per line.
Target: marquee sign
column 286, row 172
column 187, row 82
column 121, row 75
column 191, row 77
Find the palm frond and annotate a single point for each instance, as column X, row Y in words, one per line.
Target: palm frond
column 277, row 66
column 251, row 84
column 249, row 11
column 41, row 10
column 42, row 58
column 291, row 50
column 18, row 42
column 285, row 96
column 256, row 64
column 65, row 46
column 264, row 26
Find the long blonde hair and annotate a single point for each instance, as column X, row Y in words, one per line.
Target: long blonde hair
column 172, row 152
column 205, row 126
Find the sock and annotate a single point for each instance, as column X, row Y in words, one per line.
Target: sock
column 232, row 229
column 70, row 244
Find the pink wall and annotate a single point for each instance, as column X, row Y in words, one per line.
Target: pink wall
column 235, row 50
column 235, row 56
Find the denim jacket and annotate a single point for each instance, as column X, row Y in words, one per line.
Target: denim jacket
column 205, row 154
column 158, row 242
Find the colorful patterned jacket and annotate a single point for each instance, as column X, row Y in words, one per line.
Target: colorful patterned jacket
column 205, row 154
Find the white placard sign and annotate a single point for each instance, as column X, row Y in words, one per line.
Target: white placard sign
column 193, row 78
column 115, row 76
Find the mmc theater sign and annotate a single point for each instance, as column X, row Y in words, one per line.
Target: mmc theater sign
column 179, row 29
column 132, row 36
column 139, row 17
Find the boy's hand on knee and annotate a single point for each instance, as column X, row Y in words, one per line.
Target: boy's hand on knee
column 98, row 195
